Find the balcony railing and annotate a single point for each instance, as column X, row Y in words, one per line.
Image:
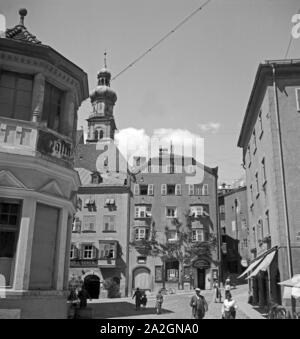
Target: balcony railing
column 31, row 139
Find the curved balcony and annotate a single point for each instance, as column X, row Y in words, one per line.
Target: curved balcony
column 33, row 139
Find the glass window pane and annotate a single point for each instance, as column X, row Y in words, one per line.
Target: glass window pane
column 7, row 244
column 24, row 84
column 7, row 80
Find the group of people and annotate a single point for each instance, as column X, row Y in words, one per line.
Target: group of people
column 229, row 305
column 79, row 296
column 141, row 299
column 198, row 302
column 200, row 307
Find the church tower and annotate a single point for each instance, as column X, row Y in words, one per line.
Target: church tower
column 101, row 122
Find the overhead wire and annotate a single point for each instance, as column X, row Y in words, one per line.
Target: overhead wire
column 161, row 40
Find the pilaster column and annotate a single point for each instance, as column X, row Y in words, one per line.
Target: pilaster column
column 67, row 253
column 67, row 118
column 38, row 95
column 24, row 249
column 61, row 250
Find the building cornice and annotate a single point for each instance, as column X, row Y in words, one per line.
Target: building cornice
column 48, row 61
column 286, row 69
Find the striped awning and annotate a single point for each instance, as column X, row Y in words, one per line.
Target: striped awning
column 264, row 264
column 251, row 267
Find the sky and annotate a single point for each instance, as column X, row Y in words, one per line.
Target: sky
column 197, row 82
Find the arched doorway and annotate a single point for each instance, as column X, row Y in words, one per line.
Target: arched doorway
column 92, row 285
column 141, row 278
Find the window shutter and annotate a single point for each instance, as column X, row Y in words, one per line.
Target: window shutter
column 178, row 189
column 76, row 252
column 115, row 249
column 136, row 189
column 102, row 251
column 205, row 189
column 136, row 211
column 95, row 252
column 80, row 251
column 163, row 189
column 191, row 190
column 298, row 98
column 150, row 189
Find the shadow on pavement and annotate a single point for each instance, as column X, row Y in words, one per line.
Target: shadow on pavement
column 121, row 309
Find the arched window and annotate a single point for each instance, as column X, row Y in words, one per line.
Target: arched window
column 101, row 134
column 96, row 135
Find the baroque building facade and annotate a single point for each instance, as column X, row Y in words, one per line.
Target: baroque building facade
column 163, row 208
column 40, row 92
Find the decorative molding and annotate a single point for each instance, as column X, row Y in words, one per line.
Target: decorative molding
column 44, row 67
column 7, row 179
column 52, row 187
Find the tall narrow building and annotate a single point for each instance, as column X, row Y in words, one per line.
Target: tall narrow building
column 269, row 139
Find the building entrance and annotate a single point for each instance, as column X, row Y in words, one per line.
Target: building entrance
column 201, row 278
column 92, row 285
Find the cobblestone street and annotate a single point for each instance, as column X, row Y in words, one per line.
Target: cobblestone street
column 174, row 307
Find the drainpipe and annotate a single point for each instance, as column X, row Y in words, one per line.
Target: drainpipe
column 285, row 209
column 219, row 233
column 128, row 236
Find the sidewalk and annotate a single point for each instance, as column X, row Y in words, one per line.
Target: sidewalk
column 150, row 296
column 241, row 297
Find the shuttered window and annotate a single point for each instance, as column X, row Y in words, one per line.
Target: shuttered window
column 89, row 223
column 191, row 190
column 109, row 223
column 178, row 189
column 108, row 250
column 163, row 189
column 205, row 189
column 150, row 189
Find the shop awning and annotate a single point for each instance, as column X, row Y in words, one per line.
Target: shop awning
column 250, row 267
column 265, row 263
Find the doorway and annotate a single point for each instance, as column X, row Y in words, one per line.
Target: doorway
column 92, row 285
column 201, row 278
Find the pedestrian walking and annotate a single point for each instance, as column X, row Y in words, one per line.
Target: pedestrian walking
column 144, row 299
column 227, row 287
column 229, row 307
column 137, row 295
column 199, row 305
column 83, row 296
column 159, row 302
column 217, row 292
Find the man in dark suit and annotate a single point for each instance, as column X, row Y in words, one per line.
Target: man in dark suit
column 198, row 304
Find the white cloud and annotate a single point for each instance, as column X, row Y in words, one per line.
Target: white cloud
column 132, row 141
column 210, row 127
column 136, row 142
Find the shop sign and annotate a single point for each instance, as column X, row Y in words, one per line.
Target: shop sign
column 200, row 263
